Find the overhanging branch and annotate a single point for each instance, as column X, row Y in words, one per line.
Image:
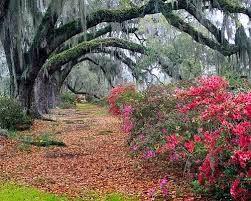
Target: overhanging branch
column 176, row 21
column 92, row 35
column 56, row 61
column 67, row 31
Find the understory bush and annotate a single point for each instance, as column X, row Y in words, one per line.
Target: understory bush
column 203, row 124
column 67, row 100
column 12, row 116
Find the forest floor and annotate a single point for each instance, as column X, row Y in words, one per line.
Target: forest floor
column 96, row 159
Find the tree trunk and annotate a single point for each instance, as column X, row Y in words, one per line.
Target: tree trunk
column 41, row 93
column 25, row 97
column 46, row 92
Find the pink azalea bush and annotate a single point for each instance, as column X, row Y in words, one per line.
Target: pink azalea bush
column 116, row 94
column 120, row 100
column 203, row 122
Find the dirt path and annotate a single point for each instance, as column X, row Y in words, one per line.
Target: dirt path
column 96, row 157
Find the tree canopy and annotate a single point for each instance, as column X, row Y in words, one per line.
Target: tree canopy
column 44, row 40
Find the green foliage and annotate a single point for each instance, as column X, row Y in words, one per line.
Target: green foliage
column 197, row 188
column 220, row 194
column 12, row 116
column 68, row 100
column 236, row 81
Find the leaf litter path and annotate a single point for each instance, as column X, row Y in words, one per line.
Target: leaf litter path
column 96, row 158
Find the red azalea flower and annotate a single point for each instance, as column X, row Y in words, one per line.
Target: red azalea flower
column 190, row 146
column 248, row 111
column 197, row 138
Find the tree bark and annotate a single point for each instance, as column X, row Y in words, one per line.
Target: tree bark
column 3, row 8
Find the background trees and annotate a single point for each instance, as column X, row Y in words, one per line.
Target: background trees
column 44, row 40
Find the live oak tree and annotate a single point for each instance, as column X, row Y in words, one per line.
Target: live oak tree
column 46, row 39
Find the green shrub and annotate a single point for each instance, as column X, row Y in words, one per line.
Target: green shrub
column 12, row 116
column 198, row 189
column 68, row 100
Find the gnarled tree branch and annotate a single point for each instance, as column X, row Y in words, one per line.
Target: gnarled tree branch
column 55, row 62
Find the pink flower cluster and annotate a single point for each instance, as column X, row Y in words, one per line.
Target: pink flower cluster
column 127, row 121
column 162, row 189
column 114, row 96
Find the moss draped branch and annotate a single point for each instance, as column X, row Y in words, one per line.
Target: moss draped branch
column 123, row 58
column 230, row 6
column 56, row 61
column 40, row 50
column 225, row 48
column 65, row 32
column 92, row 35
column 191, row 8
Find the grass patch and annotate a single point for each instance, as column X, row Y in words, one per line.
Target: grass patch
column 89, row 107
column 94, row 196
column 45, row 139
column 118, row 197
column 86, row 106
column 101, row 112
column 14, row 192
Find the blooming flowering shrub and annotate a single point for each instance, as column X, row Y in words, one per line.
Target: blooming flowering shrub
column 120, row 100
column 202, row 122
column 150, row 115
column 223, row 130
column 114, row 98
